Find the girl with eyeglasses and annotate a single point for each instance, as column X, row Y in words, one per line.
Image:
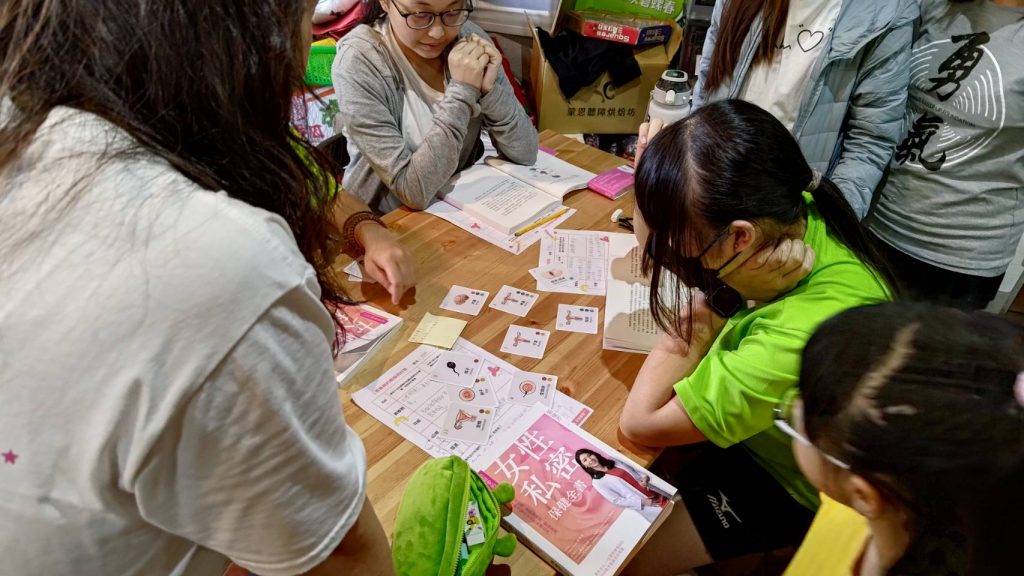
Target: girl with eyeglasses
column 712, row 191
column 417, row 83
column 910, row 421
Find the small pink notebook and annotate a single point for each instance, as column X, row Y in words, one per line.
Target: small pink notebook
column 613, row 183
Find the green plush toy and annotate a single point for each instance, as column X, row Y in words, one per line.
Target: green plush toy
column 431, row 521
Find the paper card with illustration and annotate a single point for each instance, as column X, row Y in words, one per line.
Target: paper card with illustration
column 532, row 388
column 456, row 368
column 481, row 393
column 357, row 272
column 514, row 301
column 528, row 342
column 466, row 422
column 577, row 319
column 465, row 300
column 551, row 277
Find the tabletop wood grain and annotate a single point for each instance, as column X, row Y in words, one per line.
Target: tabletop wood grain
column 448, row 255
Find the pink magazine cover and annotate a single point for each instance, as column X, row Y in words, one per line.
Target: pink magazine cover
column 362, row 324
column 581, row 523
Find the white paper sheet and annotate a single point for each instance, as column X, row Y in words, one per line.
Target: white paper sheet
column 411, row 402
column 584, row 256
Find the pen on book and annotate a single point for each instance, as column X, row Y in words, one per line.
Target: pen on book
column 541, row 222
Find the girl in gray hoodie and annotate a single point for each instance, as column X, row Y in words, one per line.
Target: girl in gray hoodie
column 417, row 82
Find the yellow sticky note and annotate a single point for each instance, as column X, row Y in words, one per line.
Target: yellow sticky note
column 440, row 331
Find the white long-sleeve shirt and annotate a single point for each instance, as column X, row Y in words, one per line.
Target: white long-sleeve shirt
column 619, row 492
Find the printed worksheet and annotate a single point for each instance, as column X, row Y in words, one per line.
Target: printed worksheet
column 416, row 398
column 579, row 255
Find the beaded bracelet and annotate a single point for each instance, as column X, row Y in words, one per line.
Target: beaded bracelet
column 348, row 232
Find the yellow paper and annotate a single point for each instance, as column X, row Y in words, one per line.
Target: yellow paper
column 440, row 331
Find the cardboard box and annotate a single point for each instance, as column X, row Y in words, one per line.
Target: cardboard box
column 619, row 28
column 599, row 108
column 670, row 9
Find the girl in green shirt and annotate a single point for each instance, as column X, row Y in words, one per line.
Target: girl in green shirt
column 714, row 192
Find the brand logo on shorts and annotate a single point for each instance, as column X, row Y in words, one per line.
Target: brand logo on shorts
column 721, row 507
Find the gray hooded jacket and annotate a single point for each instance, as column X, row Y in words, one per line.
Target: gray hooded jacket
column 852, row 115
column 385, row 172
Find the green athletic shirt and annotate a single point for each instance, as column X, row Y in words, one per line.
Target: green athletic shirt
column 732, row 393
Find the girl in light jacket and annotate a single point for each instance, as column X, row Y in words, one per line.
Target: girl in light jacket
column 834, row 73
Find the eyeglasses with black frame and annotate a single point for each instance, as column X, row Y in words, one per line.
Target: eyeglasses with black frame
column 424, row 20
column 789, row 421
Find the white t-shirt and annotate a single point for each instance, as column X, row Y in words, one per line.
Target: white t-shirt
column 779, row 86
column 167, row 400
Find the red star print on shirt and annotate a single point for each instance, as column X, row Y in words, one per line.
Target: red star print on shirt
column 9, row 457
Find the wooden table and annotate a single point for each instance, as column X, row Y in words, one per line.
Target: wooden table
column 448, row 255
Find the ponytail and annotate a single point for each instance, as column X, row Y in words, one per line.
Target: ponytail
column 842, row 221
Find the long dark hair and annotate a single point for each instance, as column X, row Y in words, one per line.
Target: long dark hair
column 729, row 160
column 206, row 86
column 374, row 11
column 595, row 474
column 920, row 401
column 737, row 17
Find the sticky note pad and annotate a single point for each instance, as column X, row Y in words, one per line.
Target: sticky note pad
column 440, row 331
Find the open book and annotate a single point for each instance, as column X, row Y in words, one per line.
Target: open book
column 582, row 523
column 628, row 323
column 509, row 197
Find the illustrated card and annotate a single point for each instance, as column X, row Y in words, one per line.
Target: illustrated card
column 465, row 300
column 529, row 342
column 480, row 393
column 532, row 388
column 467, row 423
column 514, row 301
column 456, row 368
column 552, row 276
column 577, row 319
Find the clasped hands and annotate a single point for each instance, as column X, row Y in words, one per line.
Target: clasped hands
column 475, row 61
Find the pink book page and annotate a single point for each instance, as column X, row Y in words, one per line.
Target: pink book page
column 553, row 494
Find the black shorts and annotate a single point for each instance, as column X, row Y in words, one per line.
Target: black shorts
column 737, row 506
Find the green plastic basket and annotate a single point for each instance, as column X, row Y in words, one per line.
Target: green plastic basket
column 318, row 71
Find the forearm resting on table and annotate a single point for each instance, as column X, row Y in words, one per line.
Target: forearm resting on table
column 653, row 415
column 363, row 550
column 345, row 205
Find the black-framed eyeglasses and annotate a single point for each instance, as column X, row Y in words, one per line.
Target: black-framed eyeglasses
column 424, row 20
column 789, row 420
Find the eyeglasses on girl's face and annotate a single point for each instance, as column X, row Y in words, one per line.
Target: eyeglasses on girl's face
column 789, row 418
column 423, row 20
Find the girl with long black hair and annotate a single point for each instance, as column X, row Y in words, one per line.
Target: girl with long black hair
column 167, row 397
column 711, row 191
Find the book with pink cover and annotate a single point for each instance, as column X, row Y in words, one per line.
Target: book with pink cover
column 583, row 523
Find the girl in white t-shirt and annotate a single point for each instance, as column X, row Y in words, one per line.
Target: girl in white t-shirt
column 167, row 397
